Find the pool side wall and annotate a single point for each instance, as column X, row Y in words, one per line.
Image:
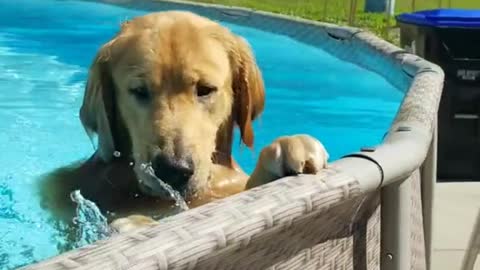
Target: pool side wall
column 369, row 209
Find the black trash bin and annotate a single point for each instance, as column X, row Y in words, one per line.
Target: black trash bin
column 451, row 39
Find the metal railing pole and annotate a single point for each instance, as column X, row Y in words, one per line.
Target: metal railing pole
column 395, row 226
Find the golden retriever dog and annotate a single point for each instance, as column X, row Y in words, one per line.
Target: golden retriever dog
column 166, row 93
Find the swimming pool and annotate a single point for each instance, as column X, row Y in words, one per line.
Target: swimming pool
column 46, row 47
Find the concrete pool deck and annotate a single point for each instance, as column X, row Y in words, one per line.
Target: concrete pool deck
column 455, row 211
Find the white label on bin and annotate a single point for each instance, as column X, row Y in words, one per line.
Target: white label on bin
column 465, row 116
column 468, row 75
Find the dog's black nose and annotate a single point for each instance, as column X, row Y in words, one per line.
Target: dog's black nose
column 172, row 171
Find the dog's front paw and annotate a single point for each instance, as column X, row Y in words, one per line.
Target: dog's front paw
column 131, row 223
column 290, row 155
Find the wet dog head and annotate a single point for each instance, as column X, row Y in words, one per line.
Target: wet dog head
column 166, row 91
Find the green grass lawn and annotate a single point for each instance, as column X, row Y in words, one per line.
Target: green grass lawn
column 337, row 11
column 316, row 8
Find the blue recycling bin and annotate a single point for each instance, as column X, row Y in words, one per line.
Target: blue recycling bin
column 450, row 38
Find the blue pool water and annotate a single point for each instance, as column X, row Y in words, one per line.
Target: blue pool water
column 46, row 47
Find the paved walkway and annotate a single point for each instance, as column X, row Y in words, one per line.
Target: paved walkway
column 455, row 211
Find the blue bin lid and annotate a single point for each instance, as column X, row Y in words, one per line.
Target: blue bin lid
column 459, row 18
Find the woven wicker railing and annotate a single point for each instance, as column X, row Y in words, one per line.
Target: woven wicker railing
column 369, row 210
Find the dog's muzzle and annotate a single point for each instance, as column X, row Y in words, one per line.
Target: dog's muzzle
column 176, row 173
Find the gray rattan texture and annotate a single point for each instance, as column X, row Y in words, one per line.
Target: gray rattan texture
column 325, row 221
column 416, row 238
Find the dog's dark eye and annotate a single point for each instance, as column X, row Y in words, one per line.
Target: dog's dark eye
column 141, row 93
column 204, row 90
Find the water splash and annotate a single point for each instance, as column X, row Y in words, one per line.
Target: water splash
column 174, row 194
column 92, row 225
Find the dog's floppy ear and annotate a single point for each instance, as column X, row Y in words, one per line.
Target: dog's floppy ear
column 96, row 111
column 248, row 88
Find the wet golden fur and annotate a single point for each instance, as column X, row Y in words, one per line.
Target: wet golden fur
column 173, row 83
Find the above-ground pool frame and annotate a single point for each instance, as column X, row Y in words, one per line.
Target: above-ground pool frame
column 369, row 210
